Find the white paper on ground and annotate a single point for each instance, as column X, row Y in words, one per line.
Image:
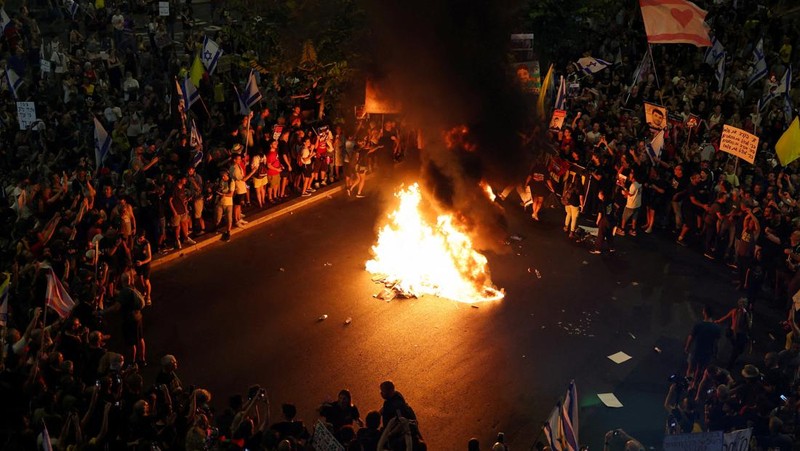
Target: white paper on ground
column 619, row 357
column 609, row 400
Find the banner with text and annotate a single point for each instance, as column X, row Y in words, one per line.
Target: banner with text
column 738, row 440
column 323, row 439
column 699, row 441
column 739, row 143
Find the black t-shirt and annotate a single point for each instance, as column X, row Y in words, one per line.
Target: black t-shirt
column 705, row 335
column 538, row 180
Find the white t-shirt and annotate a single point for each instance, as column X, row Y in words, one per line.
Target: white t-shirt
column 634, row 199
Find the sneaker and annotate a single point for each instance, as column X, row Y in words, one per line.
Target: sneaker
column 189, row 241
column 681, row 241
column 178, row 245
column 595, row 252
column 632, row 232
column 243, row 221
column 306, row 194
column 620, row 232
column 732, row 265
column 349, row 192
column 572, row 235
column 360, row 196
column 649, row 230
column 312, row 190
column 566, row 229
column 316, row 184
column 241, row 215
column 324, row 184
column 148, row 302
column 709, row 256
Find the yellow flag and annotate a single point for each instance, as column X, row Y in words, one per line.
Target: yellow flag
column 197, row 71
column 548, row 80
column 788, row 147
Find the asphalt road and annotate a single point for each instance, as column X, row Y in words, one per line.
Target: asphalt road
column 247, row 312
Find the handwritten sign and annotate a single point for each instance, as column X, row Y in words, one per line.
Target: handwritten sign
column 739, row 143
column 26, row 114
column 163, row 9
column 700, row 441
column 323, row 439
column 44, row 65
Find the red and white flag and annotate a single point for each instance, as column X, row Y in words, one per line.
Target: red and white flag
column 57, row 297
column 674, row 22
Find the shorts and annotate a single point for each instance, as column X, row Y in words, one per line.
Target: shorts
column 320, row 164
column 258, row 182
column 284, row 173
column 143, row 271
column 197, row 206
column 177, row 220
column 308, row 169
column 238, row 199
column 361, row 169
column 274, row 180
column 630, row 213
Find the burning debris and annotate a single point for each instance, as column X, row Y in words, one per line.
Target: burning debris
column 413, row 258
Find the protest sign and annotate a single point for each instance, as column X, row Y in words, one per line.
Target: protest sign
column 739, row 143
column 26, row 114
column 558, row 119
column 692, row 121
column 44, row 65
column 163, row 9
column 699, row 441
column 737, row 440
column 277, row 131
column 655, row 116
column 528, row 77
column 323, row 439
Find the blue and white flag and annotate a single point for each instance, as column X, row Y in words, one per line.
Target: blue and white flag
column 251, row 95
column 788, row 110
column 14, row 82
column 189, row 92
column 570, row 411
column 72, row 7
column 780, row 89
column 759, row 64
column 655, row 146
column 46, row 444
column 102, row 143
column 589, row 65
column 714, row 53
column 4, row 19
column 561, row 95
column 719, row 72
column 195, row 139
column 210, row 54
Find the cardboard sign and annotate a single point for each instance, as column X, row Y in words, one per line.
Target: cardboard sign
column 44, row 65
column 739, row 143
column 700, row 441
column 655, row 116
column 277, row 131
column 557, row 120
column 26, row 114
column 693, row 121
column 323, row 439
column 163, row 9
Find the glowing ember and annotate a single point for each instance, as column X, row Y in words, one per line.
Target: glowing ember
column 419, row 258
column 488, row 190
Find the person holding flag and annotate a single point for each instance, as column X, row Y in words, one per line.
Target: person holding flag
column 130, row 302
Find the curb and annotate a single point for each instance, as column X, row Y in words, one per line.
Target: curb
column 277, row 212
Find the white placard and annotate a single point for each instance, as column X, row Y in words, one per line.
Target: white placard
column 738, row 440
column 26, row 114
column 323, row 439
column 163, row 8
column 45, row 66
column 738, row 142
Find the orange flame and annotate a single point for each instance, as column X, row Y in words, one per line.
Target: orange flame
column 419, row 258
column 488, row 190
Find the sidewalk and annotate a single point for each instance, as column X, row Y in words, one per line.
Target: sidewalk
column 255, row 217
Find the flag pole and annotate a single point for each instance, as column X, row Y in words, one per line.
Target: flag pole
column 653, row 63
column 636, row 78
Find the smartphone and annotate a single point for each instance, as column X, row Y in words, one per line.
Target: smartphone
column 97, row 383
column 784, row 398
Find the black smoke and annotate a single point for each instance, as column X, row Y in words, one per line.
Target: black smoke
column 447, row 61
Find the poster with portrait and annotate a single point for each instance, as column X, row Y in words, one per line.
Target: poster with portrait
column 528, row 77
column 655, row 116
column 557, row 121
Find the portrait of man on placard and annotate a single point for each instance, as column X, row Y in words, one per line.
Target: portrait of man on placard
column 656, row 116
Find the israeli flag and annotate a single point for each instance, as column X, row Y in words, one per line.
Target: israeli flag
column 72, row 7
column 189, row 92
column 195, row 139
column 4, row 19
column 589, row 65
column 14, row 82
column 561, row 95
column 782, row 89
column 210, row 54
column 759, row 64
column 719, row 72
column 251, row 95
column 655, row 146
column 102, row 143
column 714, row 53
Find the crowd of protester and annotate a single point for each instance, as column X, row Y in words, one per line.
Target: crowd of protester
column 745, row 216
column 97, row 227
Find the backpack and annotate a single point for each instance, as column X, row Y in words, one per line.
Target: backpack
column 263, row 167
